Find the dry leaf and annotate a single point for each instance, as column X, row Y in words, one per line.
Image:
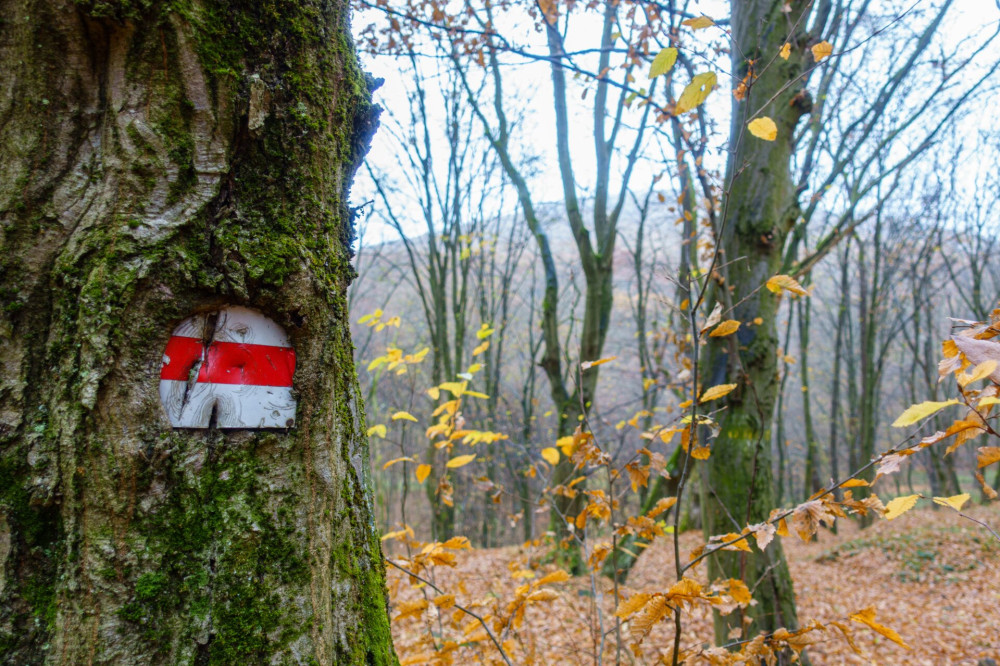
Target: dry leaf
column 717, row 392
column 822, row 50
column 727, row 327
column 979, row 351
column 696, row 92
column 899, row 506
column 987, row 455
column 920, row 412
column 663, row 62
column 460, row 461
column 955, row 501
column 867, row 616
column 663, row 505
column 763, row 128
column 587, row 365
column 786, row 282
column 396, row 460
column 698, row 23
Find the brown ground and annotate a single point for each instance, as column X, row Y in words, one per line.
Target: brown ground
column 933, row 576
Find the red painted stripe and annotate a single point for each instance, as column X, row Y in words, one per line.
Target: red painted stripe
column 183, row 354
column 230, row 363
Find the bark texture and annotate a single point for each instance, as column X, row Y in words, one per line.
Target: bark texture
column 760, row 211
column 162, row 159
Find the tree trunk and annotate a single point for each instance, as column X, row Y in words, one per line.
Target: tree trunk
column 760, row 210
column 162, row 160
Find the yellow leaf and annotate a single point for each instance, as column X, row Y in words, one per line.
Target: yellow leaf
column 663, row 62
column 955, row 501
column 661, row 506
column 459, row 461
column 695, row 92
column 477, row 394
column 716, row 392
column 701, row 453
column 779, row 282
column 698, row 23
column 444, row 600
column 457, row 543
column 899, row 506
column 551, row 455
column 434, row 392
column 785, row 51
column 484, row 332
column 396, row 460
column 853, row 483
column 557, row 576
column 377, row 430
column 408, row 608
column 987, row 490
column 986, row 402
column 422, row 472
column 987, row 456
column 739, row 591
column 763, row 128
column 735, row 541
column 981, row 371
column 633, row 604
column 867, row 616
column 587, row 365
column 919, row 412
column 727, row 327
column 822, row 50
column 455, row 388
column 481, row 348
column 404, row 416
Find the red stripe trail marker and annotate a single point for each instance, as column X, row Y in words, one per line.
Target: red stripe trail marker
column 231, row 368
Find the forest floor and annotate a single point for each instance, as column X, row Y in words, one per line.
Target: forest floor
column 932, row 576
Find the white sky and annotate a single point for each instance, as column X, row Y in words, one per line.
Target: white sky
column 528, row 83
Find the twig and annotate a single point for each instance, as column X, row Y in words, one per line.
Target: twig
column 461, row 608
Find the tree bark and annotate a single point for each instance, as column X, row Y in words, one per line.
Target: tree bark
column 162, row 160
column 760, row 211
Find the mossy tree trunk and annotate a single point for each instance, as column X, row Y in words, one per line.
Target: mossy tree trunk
column 760, row 211
column 159, row 160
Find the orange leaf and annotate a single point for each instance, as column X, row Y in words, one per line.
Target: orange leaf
column 822, row 50
column 867, row 616
column 727, row 327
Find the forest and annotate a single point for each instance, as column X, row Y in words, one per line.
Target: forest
column 499, row 332
column 643, row 283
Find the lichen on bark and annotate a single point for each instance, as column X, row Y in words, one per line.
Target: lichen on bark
column 134, row 192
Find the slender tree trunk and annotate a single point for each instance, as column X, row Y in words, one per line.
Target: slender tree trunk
column 161, row 160
column 760, row 210
column 812, row 481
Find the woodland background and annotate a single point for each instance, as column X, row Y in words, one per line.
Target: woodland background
column 545, row 193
